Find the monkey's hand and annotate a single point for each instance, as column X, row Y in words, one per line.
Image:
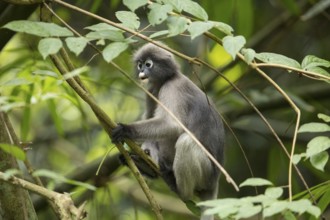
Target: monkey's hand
column 120, row 133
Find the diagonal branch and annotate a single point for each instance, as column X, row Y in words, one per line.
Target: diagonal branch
column 62, row 202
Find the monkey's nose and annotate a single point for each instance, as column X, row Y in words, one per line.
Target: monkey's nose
column 142, row 75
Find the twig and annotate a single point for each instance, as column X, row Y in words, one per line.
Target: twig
column 213, row 37
column 294, row 140
column 63, row 202
column 102, row 114
column 192, row 60
column 299, row 71
column 108, row 125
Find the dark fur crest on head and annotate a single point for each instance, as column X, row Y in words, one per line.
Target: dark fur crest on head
column 152, row 51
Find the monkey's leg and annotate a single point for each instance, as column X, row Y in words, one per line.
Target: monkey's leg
column 192, row 168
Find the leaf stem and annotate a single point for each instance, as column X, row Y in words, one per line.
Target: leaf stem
column 300, row 71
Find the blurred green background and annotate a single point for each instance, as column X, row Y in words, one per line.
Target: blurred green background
column 67, row 137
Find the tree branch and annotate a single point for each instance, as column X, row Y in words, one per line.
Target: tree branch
column 105, row 121
column 63, row 202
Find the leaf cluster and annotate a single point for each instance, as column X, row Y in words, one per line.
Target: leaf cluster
column 268, row 204
column 317, row 148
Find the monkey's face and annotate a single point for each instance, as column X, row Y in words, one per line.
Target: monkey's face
column 155, row 71
column 144, row 69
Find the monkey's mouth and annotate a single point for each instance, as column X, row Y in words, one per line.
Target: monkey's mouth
column 143, row 77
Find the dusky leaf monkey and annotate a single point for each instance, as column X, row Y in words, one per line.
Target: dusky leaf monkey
column 183, row 165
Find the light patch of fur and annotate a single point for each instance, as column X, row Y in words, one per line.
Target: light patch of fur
column 191, row 167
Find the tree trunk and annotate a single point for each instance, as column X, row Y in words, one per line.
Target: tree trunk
column 15, row 202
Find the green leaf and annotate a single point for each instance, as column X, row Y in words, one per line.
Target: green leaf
column 113, row 50
column 223, row 210
column 314, row 210
column 16, row 82
column 288, row 215
column 49, row 46
column 76, row 72
column 274, row 208
column 134, row 4
column 129, row 19
column 299, row 206
column 45, row 73
column 102, row 27
column 323, row 202
column 26, row 119
column 222, row 207
column 319, row 70
column 13, row 150
column 320, row 160
column 82, row 184
column 106, row 34
column 312, row 61
column 197, row 28
column 248, row 210
column 176, row 25
column 256, row 199
column 49, row 174
column 55, row 117
column 317, row 145
column 256, row 182
column 49, row 95
column 297, row 157
column 277, row 59
column 41, row 29
column 176, row 4
column 10, row 173
column 219, row 202
column 324, row 117
column 194, row 9
column 193, row 207
column 314, row 127
column 249, row 55
column 274, row 192
column 159, row 33
column 76, row 44
column 233, row 44
column 59, row 178
column 10, row 106
column 158, row 13
column 223, row 27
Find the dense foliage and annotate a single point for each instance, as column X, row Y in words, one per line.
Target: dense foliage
column 265, row 66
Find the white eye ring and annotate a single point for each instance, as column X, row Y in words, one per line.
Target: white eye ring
column 139, row 65
column 148, row 63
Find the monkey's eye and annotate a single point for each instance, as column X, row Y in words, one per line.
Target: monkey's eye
column 139, row 65
column 149, row 63
column 147, row 152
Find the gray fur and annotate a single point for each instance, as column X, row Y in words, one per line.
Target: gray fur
column 184, row 166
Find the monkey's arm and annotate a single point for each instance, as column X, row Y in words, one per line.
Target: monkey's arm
column 150, row 129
